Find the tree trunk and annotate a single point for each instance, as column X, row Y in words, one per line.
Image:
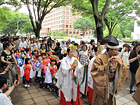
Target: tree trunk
column 110, row 31
column 99, row 28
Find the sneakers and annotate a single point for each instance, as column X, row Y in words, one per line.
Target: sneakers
column 132, row 92
column 26, row 86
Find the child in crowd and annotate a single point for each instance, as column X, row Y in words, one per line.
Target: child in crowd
column 51, row 71
column 37, row 68
column 28, row 73
column 44, row 66
column 17, row 53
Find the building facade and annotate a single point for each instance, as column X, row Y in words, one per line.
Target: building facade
column 61, row 19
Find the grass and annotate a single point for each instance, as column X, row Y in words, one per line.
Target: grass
column 128, row 40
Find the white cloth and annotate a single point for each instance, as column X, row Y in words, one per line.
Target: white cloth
column 65, row 82
column 62, row 45
column 90, row 80
column 23, row 44
column 125, row 57
column 4, row 100
column 48, row 77
column 22, row 71
column 37, row 45
column 83, row 52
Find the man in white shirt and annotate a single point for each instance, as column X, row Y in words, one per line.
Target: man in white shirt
column 5, row 99
column 22, row 44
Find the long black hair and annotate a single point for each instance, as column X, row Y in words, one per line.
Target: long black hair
column 26, row 60
column 134, row 49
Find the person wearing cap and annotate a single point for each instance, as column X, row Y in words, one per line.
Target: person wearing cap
column 69, row 69
column 63, row 44
column 109, row 73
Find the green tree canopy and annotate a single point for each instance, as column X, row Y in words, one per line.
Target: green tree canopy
column 82, row 24
column 40, row 9
column 10, row 26
column 112, row 12
column 126, row 25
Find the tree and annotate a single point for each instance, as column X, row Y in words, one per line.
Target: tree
column 62, row 33
column 5, row 11
column 82, row 24
column 54, row 34
column 92, row 8
column 10, row 26
column 4, row 14
column 104, row 10
column 50, row 33
column 126, row 25
column 14, row 3
column 40, row 9
column 117, row 12
column 127, row 33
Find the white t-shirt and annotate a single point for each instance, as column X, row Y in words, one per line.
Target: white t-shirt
column 83, row 52
column 125, row 57
column 4, row 100
column 23, row 44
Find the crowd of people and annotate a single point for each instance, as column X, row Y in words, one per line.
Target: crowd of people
column 69, row 69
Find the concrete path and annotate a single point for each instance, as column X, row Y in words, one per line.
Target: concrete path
column 38, row 96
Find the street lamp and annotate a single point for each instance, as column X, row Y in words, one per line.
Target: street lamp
column 17, row 25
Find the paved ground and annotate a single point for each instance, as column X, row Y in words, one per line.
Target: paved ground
column 38, row 96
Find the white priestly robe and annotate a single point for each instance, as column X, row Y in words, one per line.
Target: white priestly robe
column 65, row 82
column 90, row 80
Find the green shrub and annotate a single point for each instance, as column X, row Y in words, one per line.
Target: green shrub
column 128, row 40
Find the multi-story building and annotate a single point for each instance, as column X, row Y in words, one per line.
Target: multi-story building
column 61, row 19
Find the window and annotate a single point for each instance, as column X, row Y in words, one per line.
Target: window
column 67, row 13
column 67, row 8
column 70, row 13
column 63, row 8
column 66, row 31
column 62, row 26
column 70, row 22
column 77, row 32
column 70, row 32
column 74, row 32
column 70, row 17
column 62, row 21
column 63, row 12
column 63, row 17
column 74, row 18
column 67, row 26
column 70, row 26
column 70, row 9
column 67, row 21
column 67, row 17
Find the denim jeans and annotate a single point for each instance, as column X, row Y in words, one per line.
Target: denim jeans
column 133, row 81
column 9, row 73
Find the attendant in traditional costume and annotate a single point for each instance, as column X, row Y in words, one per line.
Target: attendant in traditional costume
column 90, row 81
column 109, row 73
column 53, row 70
column 68, row 79
column 28, row 73
column 44, row 66
column 37, row 68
